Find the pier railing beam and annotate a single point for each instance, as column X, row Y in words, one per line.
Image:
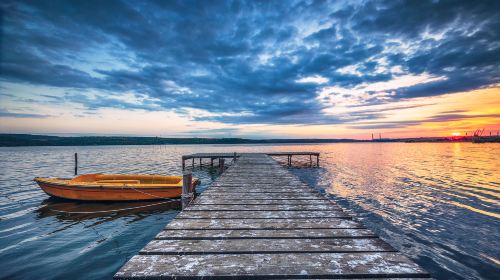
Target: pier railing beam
column 187, row 189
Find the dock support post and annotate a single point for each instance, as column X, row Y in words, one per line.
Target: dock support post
column 211, row 162
column 192, row 164
column 76, row 164
column 221, row 165
column 310, row 160
column 183, row 163
column 200, row 163
column 234, row 157
column 187, row 195
column 317, row 160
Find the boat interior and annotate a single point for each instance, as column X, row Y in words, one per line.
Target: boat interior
column 126, row 179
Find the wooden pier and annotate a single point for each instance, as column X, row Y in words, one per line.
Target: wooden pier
column 259, row 221
column 234, row 156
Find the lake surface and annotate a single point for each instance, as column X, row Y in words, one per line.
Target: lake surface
column 438, row 203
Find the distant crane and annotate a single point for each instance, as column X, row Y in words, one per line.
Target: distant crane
column 477, row 136
column 478, row 132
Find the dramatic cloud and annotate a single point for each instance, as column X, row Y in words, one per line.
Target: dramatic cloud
column 437, row 118
column 250, row 62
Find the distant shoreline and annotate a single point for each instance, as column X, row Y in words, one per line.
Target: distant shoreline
column 19, row 140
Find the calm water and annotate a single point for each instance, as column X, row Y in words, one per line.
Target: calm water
column 437, row 203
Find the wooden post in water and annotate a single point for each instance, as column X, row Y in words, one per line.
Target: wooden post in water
column 200, row 163
column 183, row 163
column 187, row 195
column 317, row 160
column 221, row 165
column 192, row 165
column 310, row 160
column 234, row 157
column 211, row 162
column 76, row 164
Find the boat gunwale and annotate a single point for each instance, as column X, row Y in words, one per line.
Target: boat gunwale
column 120, row 187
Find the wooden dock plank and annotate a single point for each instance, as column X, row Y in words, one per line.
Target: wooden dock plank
column 265, row 234
column 248, row 185
column 262, row 207
column 229, row 190
column 230, row 196
column 259, row 266
column 262, row 223
column 261, row 214
column 223, row 200
column 262, row 246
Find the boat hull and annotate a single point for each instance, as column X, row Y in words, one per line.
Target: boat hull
column 103, row 193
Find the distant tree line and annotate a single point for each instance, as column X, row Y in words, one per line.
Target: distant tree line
column 13, row 140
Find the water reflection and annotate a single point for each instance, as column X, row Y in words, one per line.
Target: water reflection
column 73, row 211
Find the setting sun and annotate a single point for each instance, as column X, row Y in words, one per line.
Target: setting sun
column 455, row 134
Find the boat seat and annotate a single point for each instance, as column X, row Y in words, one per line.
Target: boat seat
column 118, row 182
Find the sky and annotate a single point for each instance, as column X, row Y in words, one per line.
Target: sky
column 253, row 69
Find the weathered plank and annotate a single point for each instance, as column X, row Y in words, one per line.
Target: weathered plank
column 209, row 266
column 280, row 184
column 265, row 234
column 261, row 246
column 230, row 190
column 262, row 207
column 262, row 223
column 262, row 186
column 222, row 200
column 261, row 214
column 265, row 195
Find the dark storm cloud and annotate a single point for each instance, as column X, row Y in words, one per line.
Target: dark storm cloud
column 217, row 132
column 243, row 58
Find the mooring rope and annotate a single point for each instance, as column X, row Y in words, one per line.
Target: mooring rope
column 152, row 195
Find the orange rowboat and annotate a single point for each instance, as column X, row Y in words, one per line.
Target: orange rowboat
column 114, row 187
